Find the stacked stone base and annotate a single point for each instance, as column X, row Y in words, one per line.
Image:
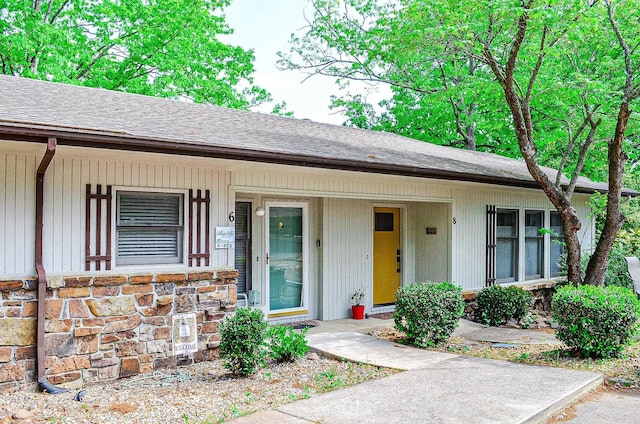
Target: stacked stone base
column 107, row 327
column 542, row 294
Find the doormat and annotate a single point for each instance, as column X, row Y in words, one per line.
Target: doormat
column 382, row 315
column 299, row 325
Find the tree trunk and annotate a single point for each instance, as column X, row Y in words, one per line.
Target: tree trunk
column 597, row 268
column 471, row 128
column 570, row 226
column 521, row 114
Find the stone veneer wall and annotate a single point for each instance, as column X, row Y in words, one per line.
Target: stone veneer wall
column 542, row 295
column 107, row 327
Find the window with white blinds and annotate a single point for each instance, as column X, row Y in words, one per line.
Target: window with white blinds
column 149, row 228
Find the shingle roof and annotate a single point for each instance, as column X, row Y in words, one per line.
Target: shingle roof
column 100, row 118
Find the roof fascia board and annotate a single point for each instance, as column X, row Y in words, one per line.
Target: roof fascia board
column 129, row 143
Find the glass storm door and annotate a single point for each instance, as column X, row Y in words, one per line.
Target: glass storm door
column 286, row 257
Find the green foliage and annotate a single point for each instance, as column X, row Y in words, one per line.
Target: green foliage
column 596, row 321
column 498, row 304
column 328, row 381
column 162, row 48
column 285, row 345
column 627, row 242
column 431, row 55
column 617, row 273
column 428, row 312
column 242, row 341
column 545, row 82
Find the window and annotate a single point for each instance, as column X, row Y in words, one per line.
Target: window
column 557, row 247
column 516, row 245
column 506, row 245
column 384, row 221
column 533, row 244
column 149, row 228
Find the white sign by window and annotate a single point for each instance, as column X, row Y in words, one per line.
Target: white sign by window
column 185, row 334
column 225, row 237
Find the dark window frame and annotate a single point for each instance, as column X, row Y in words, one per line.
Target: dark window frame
column 177, row 229
column 513, row 240
column 538, row 237
column 557, row 238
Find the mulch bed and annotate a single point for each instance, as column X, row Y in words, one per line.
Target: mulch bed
column 299, row 325
column 383, row 315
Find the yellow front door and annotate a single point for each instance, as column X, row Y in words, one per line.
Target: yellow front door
column 386, row 255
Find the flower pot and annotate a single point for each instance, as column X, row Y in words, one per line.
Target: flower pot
column 357, row 311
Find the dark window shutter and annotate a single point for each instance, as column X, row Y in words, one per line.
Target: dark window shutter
column 243, row 245
column 97, row 204
column 491, row 246
column 199, row 211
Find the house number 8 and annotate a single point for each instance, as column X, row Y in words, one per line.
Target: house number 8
column 454, row 219
column 231, row 217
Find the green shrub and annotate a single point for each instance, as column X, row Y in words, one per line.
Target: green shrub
column 497, row 304
column 597, row 321
column 242, row 341
column 285, row 345
column 617, row 273
column 427, row 312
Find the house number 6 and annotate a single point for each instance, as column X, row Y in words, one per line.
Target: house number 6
column 231, row 217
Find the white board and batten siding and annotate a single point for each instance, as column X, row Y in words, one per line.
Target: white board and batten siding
column 469, row 231
column 348, row 262
column 290, row 180
column 341, row 207
column 64, row 199
column 346, row 231
column 17, row 209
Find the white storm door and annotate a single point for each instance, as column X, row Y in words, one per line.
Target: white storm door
column 287, row 256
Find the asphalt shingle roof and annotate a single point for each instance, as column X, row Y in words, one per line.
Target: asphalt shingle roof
column 80, row 115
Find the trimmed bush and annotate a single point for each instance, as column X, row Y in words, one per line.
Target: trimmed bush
column 285, row 345
column 428, row 312
column 596, row 321
column 497, row 305
column 242, row 341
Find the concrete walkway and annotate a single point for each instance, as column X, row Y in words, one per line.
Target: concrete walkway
column 436, row 387
column 601, row 407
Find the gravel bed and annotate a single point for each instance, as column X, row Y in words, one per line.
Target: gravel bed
column 621, row 373
column 199, row 393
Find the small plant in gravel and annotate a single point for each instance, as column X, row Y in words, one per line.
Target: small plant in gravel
column 596, row 321
column 242, row 341
column 428, row 312
column 328, row 381
column 497, row 305
column 285, row 345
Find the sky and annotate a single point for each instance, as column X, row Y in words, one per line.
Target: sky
column 266, row 26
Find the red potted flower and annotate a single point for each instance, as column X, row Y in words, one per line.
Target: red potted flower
column 357, row 308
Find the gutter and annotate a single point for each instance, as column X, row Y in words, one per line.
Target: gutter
column 43, row 383
column 95, row 139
